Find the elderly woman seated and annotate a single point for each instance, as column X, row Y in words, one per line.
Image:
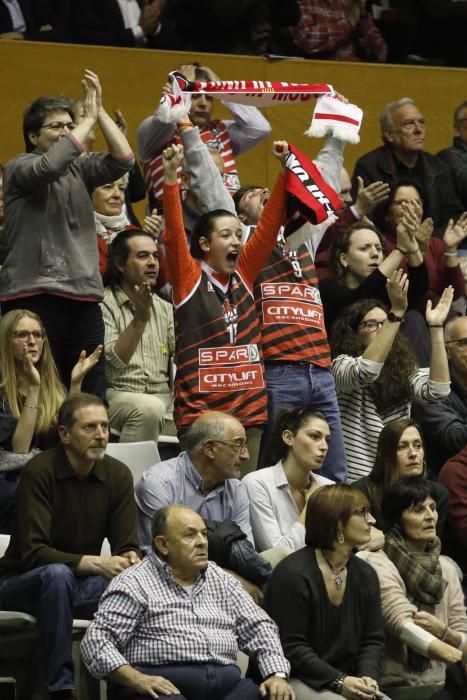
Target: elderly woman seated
column 326, row 602
column 400, row 453
column 422, row 600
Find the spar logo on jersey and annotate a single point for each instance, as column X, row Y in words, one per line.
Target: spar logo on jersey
column 228, row 356
column 291, row 291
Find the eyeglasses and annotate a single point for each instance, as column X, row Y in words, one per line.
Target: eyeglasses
column 59, row 126
column 460, row 341
column 25, row 335
column 238, row 446
column 370, row 325
column 411, row 124
column 362, row 512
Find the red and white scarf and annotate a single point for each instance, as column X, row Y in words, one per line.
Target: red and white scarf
column 331, row 117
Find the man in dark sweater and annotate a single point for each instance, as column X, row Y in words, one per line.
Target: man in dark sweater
column 402, row 156
column 68, row 500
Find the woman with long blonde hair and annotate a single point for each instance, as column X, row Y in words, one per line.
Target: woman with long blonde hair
column 30, row 395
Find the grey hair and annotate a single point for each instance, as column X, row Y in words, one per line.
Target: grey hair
column 458, row 110
column 385, row 118
column 200, row 431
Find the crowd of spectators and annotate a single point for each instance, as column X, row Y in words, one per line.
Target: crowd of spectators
column 321, row 477
column 394, row 31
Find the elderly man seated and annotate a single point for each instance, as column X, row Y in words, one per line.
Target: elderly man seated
column 172, row 625
column 205, row 477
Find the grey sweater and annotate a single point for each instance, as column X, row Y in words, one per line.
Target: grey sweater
column 49, row 224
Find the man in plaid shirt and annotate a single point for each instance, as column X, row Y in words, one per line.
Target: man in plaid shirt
column 173, row 624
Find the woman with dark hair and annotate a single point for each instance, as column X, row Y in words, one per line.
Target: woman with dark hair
column 326, row 602
column 400, row 453
column 278, row 495
column 218, row 341
column 360, row 267
column 440, row 255
column 421, row 595
column 376, row 373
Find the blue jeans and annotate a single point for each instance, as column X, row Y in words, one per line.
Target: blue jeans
column 195, row 682
column 308, row 386
column 54, row 595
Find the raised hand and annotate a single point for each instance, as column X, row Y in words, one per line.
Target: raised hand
column 120, row 121
column 92, row 79
column 84, row 365
column 143, row 302
column 280, row 149
column 455, row 232
column 437, row 316
column 152, row 223
column 407, row 227
column 424, row 231
column 368, row 198
column 397, row 287
column 30, row 372
column 171, row 159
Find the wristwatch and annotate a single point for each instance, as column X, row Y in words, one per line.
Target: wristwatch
column 279, row 674
column 392, row 318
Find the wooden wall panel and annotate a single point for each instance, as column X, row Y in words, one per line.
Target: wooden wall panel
column 132, row 79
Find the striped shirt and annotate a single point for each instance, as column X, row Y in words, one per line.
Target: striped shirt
column 146, row 618
column 148, row 369
column 178, row 482
column 361, row 422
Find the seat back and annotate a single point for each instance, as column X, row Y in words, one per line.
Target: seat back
column 138, row 456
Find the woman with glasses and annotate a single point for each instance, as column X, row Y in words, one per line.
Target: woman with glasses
column 51, row 267
column 421, row 595
column 400, row 453
column 30, row 395
column 440, row 254
column 278, row 495
column 375, row 370
column 326, row 602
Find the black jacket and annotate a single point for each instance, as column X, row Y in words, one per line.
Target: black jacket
column 441, row 202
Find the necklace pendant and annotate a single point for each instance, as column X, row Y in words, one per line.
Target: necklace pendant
column 339, row 581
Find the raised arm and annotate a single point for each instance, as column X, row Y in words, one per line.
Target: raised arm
column 261, row 244
column 26, row 425
column 183, row 269
column 117, row 143
column 435, row 318
column 380, row 347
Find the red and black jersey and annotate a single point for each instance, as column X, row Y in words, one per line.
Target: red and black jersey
column 218, row 341
column 289, row 307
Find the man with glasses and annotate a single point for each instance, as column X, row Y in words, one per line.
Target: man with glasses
column 51, row 266
column 456, row 155
column 445, row 423
column 402, row 156
column 204, row 477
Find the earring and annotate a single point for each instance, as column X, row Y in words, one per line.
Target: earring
column 340, row 537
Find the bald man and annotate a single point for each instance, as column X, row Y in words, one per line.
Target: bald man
column 174, row 626
column 205, row 477
column 445, row 423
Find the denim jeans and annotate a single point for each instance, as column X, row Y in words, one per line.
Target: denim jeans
column 308, row 386
column 54, row 595
column 71, row 326
column 195, row 682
